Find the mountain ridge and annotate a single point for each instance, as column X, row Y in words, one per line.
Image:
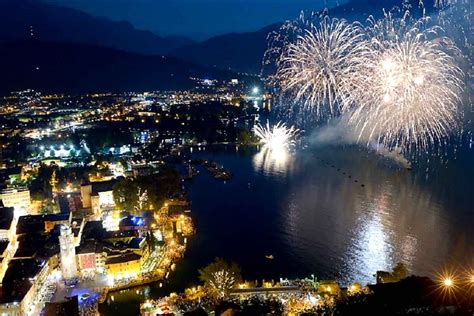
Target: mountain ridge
column 243, row 52
column 82, row 68
column 35, row 20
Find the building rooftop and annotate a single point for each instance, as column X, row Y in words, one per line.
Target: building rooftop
column 30, row 223
column 121, row 234
column 103, row 186
column 3, row 246
column 70, row 307
column 35, row 223
column 126, row 257
column 37, row 245
column 6, row 217
column 89, row 246
column 136, row 243
column 16, row 282
column 93, row 230
column 56, row 217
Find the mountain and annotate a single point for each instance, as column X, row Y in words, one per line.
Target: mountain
column 243, row 52
column 35, row 20
column 240, row 52
column 79, row 68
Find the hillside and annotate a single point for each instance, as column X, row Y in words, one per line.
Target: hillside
column 243, row 52
column 34, row 20
column 76, row 68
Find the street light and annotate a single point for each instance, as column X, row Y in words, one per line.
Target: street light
column 255, row 90
column 448, row 282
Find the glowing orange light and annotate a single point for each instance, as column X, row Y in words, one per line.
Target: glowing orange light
column 448, row 282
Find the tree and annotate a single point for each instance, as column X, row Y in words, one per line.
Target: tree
column 151, row 241
column 125, row 194
column 160, row 186
column 220, row 277
column 400, row 271
column 246, row 137
column 49, row 207
column 54, row 182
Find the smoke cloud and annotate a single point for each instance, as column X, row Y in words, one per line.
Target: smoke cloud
column 339, row 132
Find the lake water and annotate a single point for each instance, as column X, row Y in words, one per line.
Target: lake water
column 336, row 212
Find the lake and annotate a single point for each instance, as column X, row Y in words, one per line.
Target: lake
column 338, row 212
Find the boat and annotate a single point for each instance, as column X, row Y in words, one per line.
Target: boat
column 270, row 257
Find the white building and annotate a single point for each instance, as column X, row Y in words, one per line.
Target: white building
column 18, row 198
column 99, row 197
column 67, row 253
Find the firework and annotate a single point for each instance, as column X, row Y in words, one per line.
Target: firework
column 278, row 137
column 315, row 69
column 277, row 142
column 407, row 92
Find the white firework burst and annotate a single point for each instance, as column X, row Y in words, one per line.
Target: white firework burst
column 315, row 68
column 408, row 91
column 278, row 137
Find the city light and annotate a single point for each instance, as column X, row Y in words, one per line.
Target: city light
column 448, row 282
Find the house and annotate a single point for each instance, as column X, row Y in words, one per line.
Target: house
column 18, row 198
column 99, row 196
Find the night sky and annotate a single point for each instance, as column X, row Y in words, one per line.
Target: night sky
column 197, row 19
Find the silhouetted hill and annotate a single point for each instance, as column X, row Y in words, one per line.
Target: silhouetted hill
column 76, row 68
column 240, row 52
column 243, row 52
column 35, row 20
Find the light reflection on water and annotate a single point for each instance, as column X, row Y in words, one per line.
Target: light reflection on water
column 354, row 228
column 309, row 212
column 272, row 161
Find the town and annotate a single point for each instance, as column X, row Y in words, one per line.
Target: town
column 92, row 196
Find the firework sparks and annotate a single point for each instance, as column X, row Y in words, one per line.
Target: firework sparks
column 396, row 80
column 277, row 141
column 408, row 91
column 278, row 137
column 315, row 68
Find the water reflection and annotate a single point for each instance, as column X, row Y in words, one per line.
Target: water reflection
column 371, row 244
column 273, row 160
column 312, row 215
column 352, row 218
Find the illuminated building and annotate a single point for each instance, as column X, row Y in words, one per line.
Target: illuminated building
column 27, row 276
column 98, row 196
column 8, row 238
column 329, row 287
column 91, row 257
column 51, row 220
column 18, row 198
column 124, row 266
column 67, row 253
